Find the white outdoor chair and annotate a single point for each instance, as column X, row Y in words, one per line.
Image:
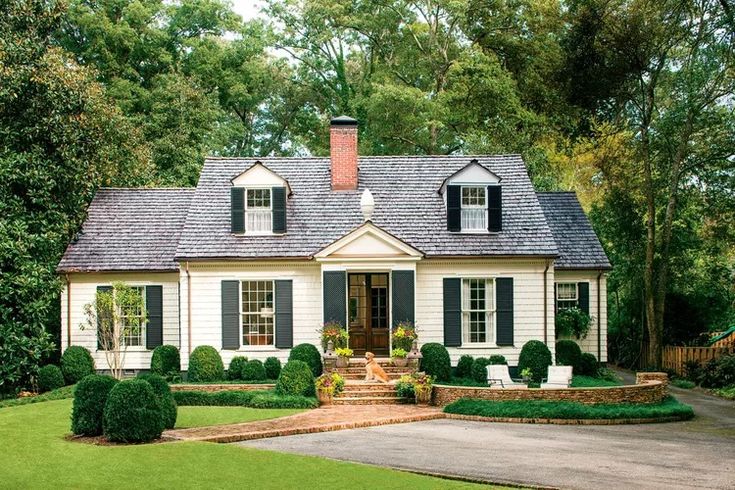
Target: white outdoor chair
column 559, row 377
column 498, row 376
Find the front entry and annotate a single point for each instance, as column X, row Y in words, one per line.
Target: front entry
column 368, row 314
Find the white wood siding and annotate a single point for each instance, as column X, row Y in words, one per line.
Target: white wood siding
column 83, row 290
column 589, row 343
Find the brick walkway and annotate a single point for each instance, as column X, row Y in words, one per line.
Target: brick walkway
column 318, row 420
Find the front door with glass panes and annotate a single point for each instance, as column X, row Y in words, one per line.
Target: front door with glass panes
column 368, row 314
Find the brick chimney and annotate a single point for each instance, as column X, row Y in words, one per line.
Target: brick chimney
column 343, row 153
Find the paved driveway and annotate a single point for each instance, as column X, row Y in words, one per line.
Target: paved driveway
column 695, row 454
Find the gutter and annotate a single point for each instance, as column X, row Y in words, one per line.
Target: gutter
column 599, row 320
column 188, row 307
column 68, row 310
column 546, row 302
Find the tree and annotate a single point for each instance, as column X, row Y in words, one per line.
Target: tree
column 116, row 315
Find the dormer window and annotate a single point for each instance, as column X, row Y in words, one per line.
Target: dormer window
column 258, row 202
column 474, row 208
column 473, row 196
column 258, row 211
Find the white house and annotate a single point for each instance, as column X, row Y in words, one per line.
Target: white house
column 264, row 251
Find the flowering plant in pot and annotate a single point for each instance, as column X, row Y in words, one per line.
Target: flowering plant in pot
column 335, row 332
column 343, row 356
column 328, row 385
column 527, row 374
column 422, row 386
column 404, row 333
column 399, row 357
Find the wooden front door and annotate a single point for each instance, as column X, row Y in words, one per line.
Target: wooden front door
column 368, row 314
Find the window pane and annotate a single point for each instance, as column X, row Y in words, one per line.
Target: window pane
column 131, row 321
column 566, row 291
column 476, row 310
column 257, row 312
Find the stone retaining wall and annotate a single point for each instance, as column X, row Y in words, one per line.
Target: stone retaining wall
column 647, row 391
column 212, row 388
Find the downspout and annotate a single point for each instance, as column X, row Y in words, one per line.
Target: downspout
column 599, row 319
column 546, row 303
column 68, row 310
column 188, row 307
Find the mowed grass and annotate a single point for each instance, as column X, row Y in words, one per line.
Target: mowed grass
column 579, row 381
column 204, row 416
column 36, row 455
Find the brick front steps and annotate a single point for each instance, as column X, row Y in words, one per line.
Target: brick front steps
column 359, row 392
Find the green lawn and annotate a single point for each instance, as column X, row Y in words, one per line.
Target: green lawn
column 590, row 382
column 35, row 455
column 58, row 394
column 203, row 416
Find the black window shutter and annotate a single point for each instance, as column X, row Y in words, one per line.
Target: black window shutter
column 154, row 312
column 402, row 296
column 583, row 292
column 494, row 208
column 454, row 208
column 452, row 312
column 230, row 315
column 101, row 289
column 334, row 291
column 237, row 209
column 284, row 314
column 278, row 196
column 504, row 310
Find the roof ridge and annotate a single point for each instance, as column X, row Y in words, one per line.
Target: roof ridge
column 370, row 157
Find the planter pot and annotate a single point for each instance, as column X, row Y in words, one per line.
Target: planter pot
column 325, row 397
column 400, row 361
column 343, row 362
column 423, row 397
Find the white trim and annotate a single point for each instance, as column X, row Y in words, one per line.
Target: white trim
column 241, row 179
column 265, row 211
column 411, row 254
column 490, row 313
column 244, row 347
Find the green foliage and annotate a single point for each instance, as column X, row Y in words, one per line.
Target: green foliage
column 588, row 365
column 435, row 361
column 90, row 397
column 496, row 359
column 537, row 357
column 582, row 381
column 728, row 393
column 572, row 322
column 684, row 384
column 132, row 413
column 568, row 353
column 336, row 333
column 479, row 369
column 254, row 399
column 49, row 378
column 166, row 401
column 404, row 388
column 272, row 367
column 534, row 409
column 22, row 349
column 236, row 367
column 253, row 371
column 296, row 378
column 76, row 364
column 205, row 364
column 718, row 373
column 166, row 362
column 57, row 394
column 464, row 366
column 310, row 355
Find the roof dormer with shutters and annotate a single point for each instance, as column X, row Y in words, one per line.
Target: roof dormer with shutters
column 258, row 202
column 473, row 199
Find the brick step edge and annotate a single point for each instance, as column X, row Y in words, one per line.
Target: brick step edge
column 372, row 400
column 361, row 376
column 367, row 394
column 361, row 370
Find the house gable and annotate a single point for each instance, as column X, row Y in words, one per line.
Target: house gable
column 369, row 242
column 260, row 176
column 471, row 174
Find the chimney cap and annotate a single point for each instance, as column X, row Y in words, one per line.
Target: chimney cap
column 343, row 121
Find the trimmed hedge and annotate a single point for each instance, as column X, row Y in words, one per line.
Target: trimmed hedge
column 568, row 353
column 253, row 371
column 296, row 378
column 165, row 399
column 464, row 366
column 435, row 361
column 588, row 365
column 254, row 399
column 205, row 364
column 537, row 357
column 166, row 361
column 308, row 354
column 132, row 413
column 497, row 359
column 49, row 378
column 90, row 397
column 76, row 363
column 479, row 369
column 236, row 366
column 272, row 368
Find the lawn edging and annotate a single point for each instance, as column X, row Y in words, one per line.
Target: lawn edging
column 242, row 398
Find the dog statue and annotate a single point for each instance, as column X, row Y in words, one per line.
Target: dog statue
column 373, row 370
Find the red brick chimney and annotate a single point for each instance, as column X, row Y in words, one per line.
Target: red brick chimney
column 343, row 153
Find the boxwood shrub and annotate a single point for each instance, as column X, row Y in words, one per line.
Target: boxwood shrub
column 236, row 366
column 497, row 359
column 76, row 363
column 568, row 353
column 206, row 365
column 464, row 366
column 253, row 371
column 588, row 365
column 254, row 399
column 165, row 398
column 166, row 361
column 296, row 378
column 537, row 357
column 435, row 361
column 49, row 378
column 272, row 368
column 132, row 413
column 479, row 369
column 90, row 397
column 308, row 354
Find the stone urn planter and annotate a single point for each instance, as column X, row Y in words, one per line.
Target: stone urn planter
column 400, row 361
column 342, row 362
column 325, row 397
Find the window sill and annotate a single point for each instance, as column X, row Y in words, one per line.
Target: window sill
column 479, row 346
column 258, row 348
column 476, row 232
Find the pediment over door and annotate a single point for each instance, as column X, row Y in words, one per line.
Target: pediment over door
column 369, row 242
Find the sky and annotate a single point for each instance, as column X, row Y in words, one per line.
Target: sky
column 248, row 9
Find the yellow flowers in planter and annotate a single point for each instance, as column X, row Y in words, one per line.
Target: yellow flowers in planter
column 330, row 383
column 343, row 352
column 403, row 335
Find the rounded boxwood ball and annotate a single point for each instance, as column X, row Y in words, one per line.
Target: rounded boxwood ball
column 253, row 371
column 165, row 398
column 132, row 413
column 588, row 365
column 435, row 361
column 537, row 357
column 206, row 365
column 479, row 369
column 296, row 378
column 236, row 366
column 166, row 361
column 76, row 363
column 90, row 396
column 568, row 353
column 310, row 355
column 272, row 368
column 464, row 366
column 49, row 378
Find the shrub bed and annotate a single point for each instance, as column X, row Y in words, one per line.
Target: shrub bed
column 568, row 353
column 165, row 399
column 49, row 378
column 308, row 354
column 90, row 397
column 253, row 399
column 205, row 364
column 296, row 378
column 132, row 413
column 236, row 366
column 166, row 362
column 464, row 366
column 253, row 371
column 479, row 369
column 76, row 363
column 536, row 357
column 588, row 365
column 435, row 361
column 533, row 409
column 272, row 368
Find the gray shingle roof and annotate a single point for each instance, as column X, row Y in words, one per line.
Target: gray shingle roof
column 579, row 247
column 130, row 229
column 407, row 205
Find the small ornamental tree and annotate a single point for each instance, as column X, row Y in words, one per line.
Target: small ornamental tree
column 116, row 314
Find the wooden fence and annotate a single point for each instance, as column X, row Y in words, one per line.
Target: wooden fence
column 675, row 357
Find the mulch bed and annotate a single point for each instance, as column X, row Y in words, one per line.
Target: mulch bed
column 102, row 440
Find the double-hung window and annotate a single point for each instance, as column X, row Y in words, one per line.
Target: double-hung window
column 257, row 313
column 131, row 321
column 474, row 208
column 567, row 295
column 478, row 311
column 258, row 211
